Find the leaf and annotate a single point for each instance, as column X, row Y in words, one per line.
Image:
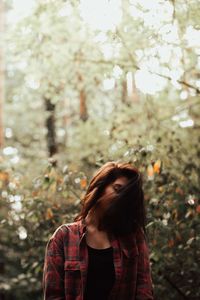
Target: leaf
column 189, row 213
column 175, row 214
column 150, row 172
column 4, row 176
column 83, row 183
column 157, row 166
column 170, row 243
column 49, row 214
column 189, row 242
column 154, row 242
column 179, row 191
column 178, row 236
column 198, row 209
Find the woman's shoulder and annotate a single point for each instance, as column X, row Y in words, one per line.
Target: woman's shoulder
column 65, row 229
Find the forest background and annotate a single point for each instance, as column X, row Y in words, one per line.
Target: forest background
column 83, row 83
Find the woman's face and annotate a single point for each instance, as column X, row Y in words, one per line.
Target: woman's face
column 115, row 186
column 109, row 194
column 112, row 189
column 105, row 200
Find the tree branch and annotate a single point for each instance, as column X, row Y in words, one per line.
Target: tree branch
column 155, row 73
column 175, row 287
column 123, row 66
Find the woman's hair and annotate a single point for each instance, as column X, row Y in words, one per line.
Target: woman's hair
column 126, row 211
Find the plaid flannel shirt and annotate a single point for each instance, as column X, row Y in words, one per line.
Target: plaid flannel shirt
column 66, row 261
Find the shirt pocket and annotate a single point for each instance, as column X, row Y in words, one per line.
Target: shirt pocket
column 72, row 278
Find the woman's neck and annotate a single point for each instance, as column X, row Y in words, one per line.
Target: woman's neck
column 95, row 238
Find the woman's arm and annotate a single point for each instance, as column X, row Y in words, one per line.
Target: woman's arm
column 144, row 290
column 53, row 273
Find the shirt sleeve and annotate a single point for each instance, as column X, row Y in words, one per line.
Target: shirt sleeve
column 144, row 290
column 53, row 271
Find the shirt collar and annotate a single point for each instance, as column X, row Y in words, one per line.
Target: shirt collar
column 127, row 244
column 82, row 228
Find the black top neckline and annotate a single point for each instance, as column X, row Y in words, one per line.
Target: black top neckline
column 99, row 250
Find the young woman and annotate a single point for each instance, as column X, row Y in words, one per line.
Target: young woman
column 103, row 255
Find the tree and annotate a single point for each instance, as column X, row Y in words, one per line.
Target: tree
column 54, row 57
column 2, row 63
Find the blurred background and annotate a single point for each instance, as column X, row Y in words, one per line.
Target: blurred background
column 83, row 83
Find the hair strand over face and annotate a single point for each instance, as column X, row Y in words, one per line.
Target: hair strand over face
column 126, row 213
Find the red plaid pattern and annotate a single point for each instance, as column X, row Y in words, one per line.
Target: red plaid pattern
column 66, row 261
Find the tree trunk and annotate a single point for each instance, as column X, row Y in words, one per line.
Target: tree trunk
column 65, row 118
column 124, row 90
column 82, row 97
column 83, row 106
column 50, row 125
column 131, row 88
column 2, row 78
column 135, row 95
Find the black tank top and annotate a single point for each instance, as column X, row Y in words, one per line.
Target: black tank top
column 101, row 274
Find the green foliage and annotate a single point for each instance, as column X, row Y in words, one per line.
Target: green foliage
column 54, row 54
column 171, row 193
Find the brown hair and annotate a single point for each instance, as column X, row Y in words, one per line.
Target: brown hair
column 126, row 213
